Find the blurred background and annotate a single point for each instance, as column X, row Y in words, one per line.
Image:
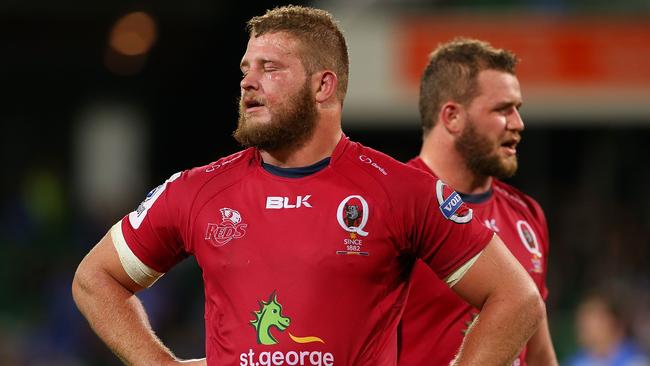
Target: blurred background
column 104, row 100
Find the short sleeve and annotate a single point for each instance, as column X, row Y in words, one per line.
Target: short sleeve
column 447, row 236
column 153, row 231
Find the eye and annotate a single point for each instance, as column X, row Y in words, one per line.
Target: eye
column 270, row 66
column 275, row 311
column 505, row 110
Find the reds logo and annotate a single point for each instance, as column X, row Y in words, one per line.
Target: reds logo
column 230, row 228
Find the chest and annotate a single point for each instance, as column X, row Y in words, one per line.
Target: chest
column 310, row 232
column 521, row 232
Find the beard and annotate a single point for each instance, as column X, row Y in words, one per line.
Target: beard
column 480, row 155
column 292, row 123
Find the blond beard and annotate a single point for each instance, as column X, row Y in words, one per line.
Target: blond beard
column 478, row 154
column 291, row 123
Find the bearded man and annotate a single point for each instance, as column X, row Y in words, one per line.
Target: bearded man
column 287, row 280
column 469, row 107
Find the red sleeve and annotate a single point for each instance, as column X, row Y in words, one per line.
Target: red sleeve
column 447, row 236
column 152, row 231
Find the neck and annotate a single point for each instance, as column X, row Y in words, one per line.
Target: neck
column 440, row 155
column 318, row 146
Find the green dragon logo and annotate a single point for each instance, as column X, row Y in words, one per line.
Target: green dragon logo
column 270, row 315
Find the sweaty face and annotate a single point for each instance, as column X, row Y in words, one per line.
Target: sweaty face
column 492, row 128
column 277, row 109
column 291, row 123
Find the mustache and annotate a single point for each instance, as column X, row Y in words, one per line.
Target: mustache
column 251, row 99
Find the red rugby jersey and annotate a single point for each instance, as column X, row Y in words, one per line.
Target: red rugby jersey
column 435, row 318
column 304, row 271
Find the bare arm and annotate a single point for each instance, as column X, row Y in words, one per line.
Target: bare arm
column 540, row 348
column 105, row 295
column 511, row 308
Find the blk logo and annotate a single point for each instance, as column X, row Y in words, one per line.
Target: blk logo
column 285, row 202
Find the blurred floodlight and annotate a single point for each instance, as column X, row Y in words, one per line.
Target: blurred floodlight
column 130, row 40
column 133, row 34
column 110, row 158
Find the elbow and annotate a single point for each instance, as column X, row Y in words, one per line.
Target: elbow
column 78, row 287
column 535, row 309
column 81, row 286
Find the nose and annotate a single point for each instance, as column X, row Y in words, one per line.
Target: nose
column 515, row 122
column 249, row 81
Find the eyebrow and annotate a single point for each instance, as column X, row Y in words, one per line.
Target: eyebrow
column 500, row 105
column 263, row 61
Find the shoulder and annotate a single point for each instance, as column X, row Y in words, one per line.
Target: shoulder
column 221, row 172
column 228, row 164
column 517, row 199
column 418, row 163
column 386, row 171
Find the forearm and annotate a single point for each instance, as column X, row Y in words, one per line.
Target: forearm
column 501, row 330
column 540, row 351
column 118, row 318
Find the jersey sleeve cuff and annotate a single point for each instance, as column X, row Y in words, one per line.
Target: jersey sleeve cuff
column 139, row 272
column 458, row 274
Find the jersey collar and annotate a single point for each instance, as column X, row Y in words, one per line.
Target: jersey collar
column 477, row 198
column 296, row 172
column 300, row 172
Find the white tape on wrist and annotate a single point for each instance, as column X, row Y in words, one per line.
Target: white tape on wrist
column 139, row 272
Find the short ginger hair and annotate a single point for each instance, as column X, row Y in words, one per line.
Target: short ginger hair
column 322, row 42
column 452, row 71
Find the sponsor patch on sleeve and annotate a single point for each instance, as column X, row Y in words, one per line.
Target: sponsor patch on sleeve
column 136, row 217
column 451, row 204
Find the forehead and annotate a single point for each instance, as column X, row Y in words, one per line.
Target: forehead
column 278, row 46
column 498, row 85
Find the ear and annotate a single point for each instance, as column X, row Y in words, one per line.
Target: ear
column 451, row 117
column 325, row 84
